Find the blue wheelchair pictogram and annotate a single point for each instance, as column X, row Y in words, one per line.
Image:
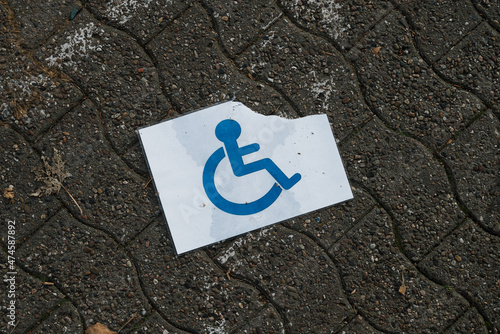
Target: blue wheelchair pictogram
column 228, row 131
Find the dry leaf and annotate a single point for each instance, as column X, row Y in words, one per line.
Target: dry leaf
column 99, row 329
column 52, row 175
column 376, row 50
column 8, row 193
column 402, row 289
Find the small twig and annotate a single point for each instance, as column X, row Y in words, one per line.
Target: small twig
column 61, row 184
column 135, row 314
column 147, row 183
column 227, row 274
column 81, row 212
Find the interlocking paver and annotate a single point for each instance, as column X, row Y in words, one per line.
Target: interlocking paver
column 64, row 320
column 135, row 157
column 411, row 92
column 189, row 290
column 474, row 64
column 469, row 261
column 33, row 300
column 403, row 174
column 236, row 27
column 155, row 324
column 359, row 325
column 89, row 267
column 474, row 159
column 471, row 322
column 296, row 274
column 328, row 225
column 17, row 162
column 113, row 70
column 31, row 97
column 491, row 9
column 141, row 19
column 111, row 196
column 404, row 90
column 342, row 21
column 439, row 25
column 374, row 272
column 268, row 321
column 38, row 20
column 195, row 72
column 8, row 30
column 310, row 72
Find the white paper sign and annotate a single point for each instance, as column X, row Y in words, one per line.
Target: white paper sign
column 226, row 170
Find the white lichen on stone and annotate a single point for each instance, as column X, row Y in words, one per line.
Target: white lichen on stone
column 325, row 12
column 220, row 329
column 242, row 241
column 77, row 44
column 325, row 87
column 20, row 84
column 124, row 10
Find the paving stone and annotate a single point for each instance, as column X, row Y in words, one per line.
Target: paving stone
column 469, row 262
column 8, row 30
column 387, row 289
column 343, row 21
column 240, row 23
column 189, row 290
column 113, row 70
column 155, row 324
column 310, row 72
column 64, row 320
column 33, row 299
column 31, row 97
column 38, row 20
column 359, row 325
column 195, row 72
column 141, row 19
column 125, row 58
column 474, row 159
column 473, row 63
column 403, row 174
column 111, row 196
column 89, row 267
column 490, row 9
column 471, row 322
column 268, row 321
column 17, row 161
column 404, row 90
column 328, row 225
column 439, row 25
column 296, row 274
column 134, row 157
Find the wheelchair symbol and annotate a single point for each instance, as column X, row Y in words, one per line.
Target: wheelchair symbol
column 228, row 131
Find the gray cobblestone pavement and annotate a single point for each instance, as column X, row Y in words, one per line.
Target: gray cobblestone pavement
column 411, row 89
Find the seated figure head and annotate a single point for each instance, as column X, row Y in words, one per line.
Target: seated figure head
column 228, row 130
